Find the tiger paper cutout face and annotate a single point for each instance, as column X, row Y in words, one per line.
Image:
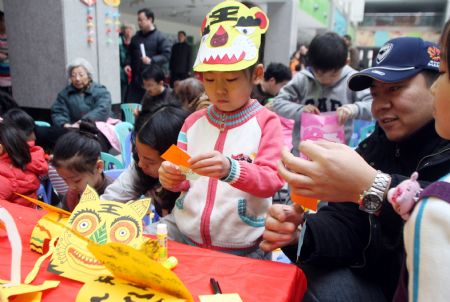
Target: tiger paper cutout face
column 99, row 221
column 231, row 37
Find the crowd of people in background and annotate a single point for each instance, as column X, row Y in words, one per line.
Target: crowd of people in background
column 228, row 120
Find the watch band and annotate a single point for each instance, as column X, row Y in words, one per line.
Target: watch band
column 379, row 188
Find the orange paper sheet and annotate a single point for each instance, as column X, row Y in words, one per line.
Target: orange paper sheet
column 176, row 156
column 306, row 202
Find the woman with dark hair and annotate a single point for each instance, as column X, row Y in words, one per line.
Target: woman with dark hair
column 21, row 164
column 76, row 158
column 21, row 120
column 154, row 133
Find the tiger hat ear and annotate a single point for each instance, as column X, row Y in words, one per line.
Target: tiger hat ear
column 89, row 195
column 259, row 14
column 140, row 206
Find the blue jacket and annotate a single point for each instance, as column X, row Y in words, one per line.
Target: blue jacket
column 71, row 105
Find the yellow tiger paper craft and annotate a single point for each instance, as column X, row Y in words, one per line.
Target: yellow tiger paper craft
column 101, row 222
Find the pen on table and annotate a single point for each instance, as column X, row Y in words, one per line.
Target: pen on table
column 215, row 286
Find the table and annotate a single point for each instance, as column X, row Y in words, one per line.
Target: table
column 253, row 280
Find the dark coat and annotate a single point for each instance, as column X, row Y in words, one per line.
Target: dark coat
column 181, row 58
column 71, row 106
column 157, row 48
column 338, row 235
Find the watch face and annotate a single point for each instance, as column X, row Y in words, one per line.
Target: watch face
column 372, row 202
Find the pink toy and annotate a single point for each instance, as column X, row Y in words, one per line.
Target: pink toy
column 405, row 195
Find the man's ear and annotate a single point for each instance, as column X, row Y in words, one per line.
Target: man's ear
column 258, row 74
column 1, row 149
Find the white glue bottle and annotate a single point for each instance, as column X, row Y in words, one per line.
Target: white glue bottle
column 161, row 236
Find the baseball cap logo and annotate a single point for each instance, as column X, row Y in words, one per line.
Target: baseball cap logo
column 384, row 51
column 434, row 53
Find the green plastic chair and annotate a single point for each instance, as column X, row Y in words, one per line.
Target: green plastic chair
column 110, row 161
column 366, row 131
column 128, row 110
column 42, row 124
column 123, row 132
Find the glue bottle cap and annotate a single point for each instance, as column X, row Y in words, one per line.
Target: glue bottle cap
column 161, row 228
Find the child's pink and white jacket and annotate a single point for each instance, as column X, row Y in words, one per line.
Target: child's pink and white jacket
column 228, row 214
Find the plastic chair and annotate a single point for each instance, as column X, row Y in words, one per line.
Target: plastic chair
column 366, row 131
column 113, row 173
column 126, row 150
column 123, row 132
column 42, row 194
column 128, row 110
column 110, row 161
column 42, row 124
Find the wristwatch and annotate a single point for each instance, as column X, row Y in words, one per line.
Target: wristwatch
column 371, row 200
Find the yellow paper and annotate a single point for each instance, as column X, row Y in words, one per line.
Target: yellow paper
column 176, row 156
column 114, row 3
column 105, row 287
column 101, row 222
column 220, row 298
column 44, row 205
column 231, row 37
column 25, row 292
column 133, row 265
column 48, row 227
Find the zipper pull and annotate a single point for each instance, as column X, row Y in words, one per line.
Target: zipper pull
column 222, row 123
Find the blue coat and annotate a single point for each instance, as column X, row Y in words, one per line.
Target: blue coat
column 71, row 105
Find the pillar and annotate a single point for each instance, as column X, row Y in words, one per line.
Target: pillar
column 45, row 35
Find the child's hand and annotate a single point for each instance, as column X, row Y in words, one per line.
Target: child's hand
column 170, row 175
column 311, row 109
column 212, row 164
column 346, row 112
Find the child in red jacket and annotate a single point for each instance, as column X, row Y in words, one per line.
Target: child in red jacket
column 21, row 164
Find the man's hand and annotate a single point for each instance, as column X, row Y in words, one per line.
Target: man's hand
column 335, row 172
column 211, row 164
column 146, row 60
column 281, row 227
column 74, row 125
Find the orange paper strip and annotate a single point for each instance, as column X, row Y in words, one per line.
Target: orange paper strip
column 306, row 202
column 176, row 156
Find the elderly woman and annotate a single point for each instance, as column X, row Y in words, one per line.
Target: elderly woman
column 82, row 99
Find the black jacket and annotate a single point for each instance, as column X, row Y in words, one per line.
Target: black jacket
column 338, row 235
column 181, row 58
column 149, row 103
column 157, row 48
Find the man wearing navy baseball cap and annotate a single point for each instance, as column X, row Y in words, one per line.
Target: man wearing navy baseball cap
column 352, row 249
column 398, row 60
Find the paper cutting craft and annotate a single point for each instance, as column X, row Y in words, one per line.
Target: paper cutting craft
column 133, row 265
column 176, row 156
column 111, row 289
column 101, row 222
column 309, row 203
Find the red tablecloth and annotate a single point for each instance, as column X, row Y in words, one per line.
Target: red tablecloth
column 253, row 280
